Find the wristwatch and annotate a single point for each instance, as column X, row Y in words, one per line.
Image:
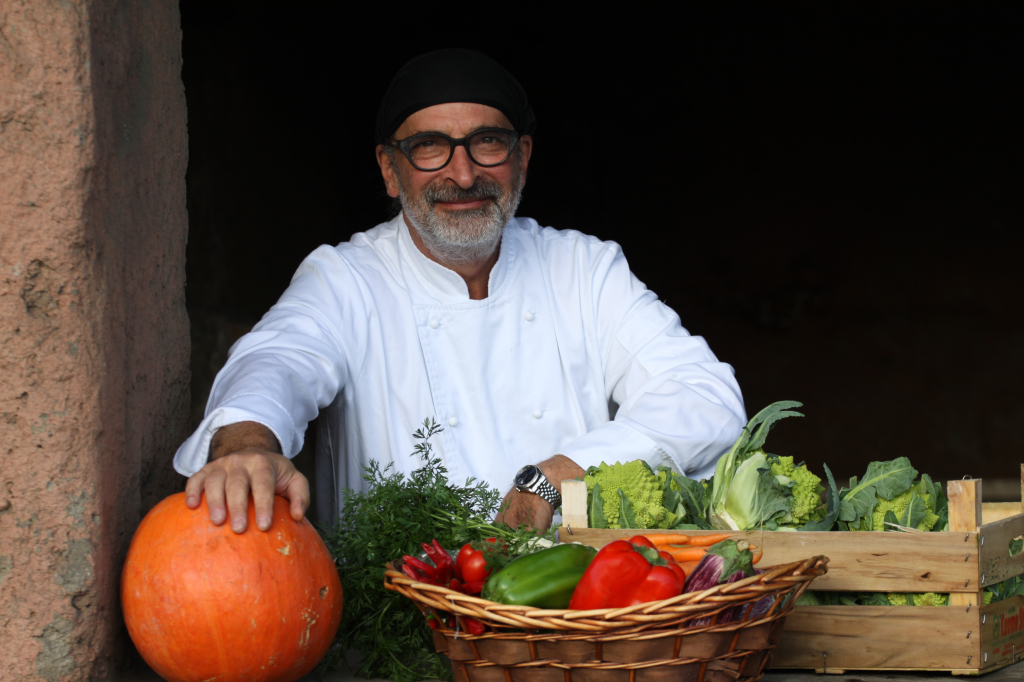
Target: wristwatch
column 531, row 480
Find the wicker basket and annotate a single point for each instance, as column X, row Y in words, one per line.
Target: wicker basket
column 645, row 643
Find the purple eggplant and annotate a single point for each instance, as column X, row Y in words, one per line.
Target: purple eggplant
column 720, row 564
column 726, row 562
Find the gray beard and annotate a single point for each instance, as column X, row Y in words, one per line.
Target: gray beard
column 466, row 236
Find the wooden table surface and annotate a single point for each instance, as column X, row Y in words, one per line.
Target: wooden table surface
column 1013, row 672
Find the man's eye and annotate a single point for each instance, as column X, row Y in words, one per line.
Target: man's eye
column 424, row 144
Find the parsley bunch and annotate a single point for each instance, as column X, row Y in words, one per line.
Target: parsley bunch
column 378, row 526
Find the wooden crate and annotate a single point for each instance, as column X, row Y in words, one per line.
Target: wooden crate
column 965, row 638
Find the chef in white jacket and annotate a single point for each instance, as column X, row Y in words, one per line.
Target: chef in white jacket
column 536, row 349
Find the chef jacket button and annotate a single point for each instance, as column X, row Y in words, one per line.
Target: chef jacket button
column 537, row 414
column 528, row 317
column 434, row 324
column 453, row 421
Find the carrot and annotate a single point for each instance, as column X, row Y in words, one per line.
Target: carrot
column 688, row 554
column 668, row 538
column 708, row 540
column 688, row 566
column 758, row 553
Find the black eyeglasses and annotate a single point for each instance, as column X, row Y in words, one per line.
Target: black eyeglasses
column 487, row 147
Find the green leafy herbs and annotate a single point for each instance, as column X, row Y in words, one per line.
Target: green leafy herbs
column 392, row 518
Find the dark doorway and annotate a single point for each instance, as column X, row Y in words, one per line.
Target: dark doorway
column 830, row 194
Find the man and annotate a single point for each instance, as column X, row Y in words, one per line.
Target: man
column 537, row 350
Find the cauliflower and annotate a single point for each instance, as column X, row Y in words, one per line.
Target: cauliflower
column 806, row 487
column 641, row 487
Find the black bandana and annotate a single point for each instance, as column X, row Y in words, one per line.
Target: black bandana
column 452, row 75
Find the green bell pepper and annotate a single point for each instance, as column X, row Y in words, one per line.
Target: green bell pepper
column 544, row 579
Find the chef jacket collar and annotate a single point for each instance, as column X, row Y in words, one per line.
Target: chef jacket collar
column 447, row 286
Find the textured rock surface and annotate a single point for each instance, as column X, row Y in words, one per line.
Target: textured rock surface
column 93, row 333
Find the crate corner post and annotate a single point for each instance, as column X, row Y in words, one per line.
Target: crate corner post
column 574, row 504
column 965, row 516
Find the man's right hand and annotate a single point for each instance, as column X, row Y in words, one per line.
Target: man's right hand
column 244, row 457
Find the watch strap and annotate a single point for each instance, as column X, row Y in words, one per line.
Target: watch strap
column 548, row 492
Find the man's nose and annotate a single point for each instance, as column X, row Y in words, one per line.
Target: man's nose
column 462, row 169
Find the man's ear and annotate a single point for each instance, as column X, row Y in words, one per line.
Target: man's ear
column 388, row 171
column 526, row 147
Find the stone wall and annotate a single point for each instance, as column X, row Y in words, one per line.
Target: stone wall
column 93, row 332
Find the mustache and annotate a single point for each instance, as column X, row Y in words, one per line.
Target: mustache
column 447, row 192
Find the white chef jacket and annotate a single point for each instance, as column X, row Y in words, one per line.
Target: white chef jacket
column 569, row 354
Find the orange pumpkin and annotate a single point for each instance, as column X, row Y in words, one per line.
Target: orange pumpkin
column 202, row 602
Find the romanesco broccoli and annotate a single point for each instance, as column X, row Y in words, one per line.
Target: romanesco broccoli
column 897, row 505
column 930, row 599
column 917, row 599
column 807, row 490
column 642, row 488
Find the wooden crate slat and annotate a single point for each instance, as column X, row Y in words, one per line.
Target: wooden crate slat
column 996, row 564
column 997, row 511
column 874, row 637
column 1002, row 632
column 871, row 561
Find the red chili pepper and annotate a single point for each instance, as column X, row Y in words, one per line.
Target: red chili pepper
column 421, row 566
column 623, row 575
column 417, row 575
column 454, row 584
column 445, row 557
column 411, row 570
column 473, row 626
column 443, row 563
column 475, row 587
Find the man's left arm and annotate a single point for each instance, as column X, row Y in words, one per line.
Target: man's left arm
column 678, row 405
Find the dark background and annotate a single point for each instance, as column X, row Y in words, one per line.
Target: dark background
column 830, row 194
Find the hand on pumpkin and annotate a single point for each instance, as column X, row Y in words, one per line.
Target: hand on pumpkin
column 533, row 510
column 243, row 457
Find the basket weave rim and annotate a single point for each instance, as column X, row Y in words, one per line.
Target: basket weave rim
column 775, row 580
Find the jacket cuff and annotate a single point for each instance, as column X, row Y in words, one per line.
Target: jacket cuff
column 194, row 453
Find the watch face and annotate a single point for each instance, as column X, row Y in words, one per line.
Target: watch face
column 526, row 475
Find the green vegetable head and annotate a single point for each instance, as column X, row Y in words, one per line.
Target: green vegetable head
column 744, row 494
column 754, row 497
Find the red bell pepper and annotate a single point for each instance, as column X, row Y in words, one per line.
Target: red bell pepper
column 624, row 574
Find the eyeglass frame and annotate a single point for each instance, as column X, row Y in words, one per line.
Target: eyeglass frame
column 453, row 142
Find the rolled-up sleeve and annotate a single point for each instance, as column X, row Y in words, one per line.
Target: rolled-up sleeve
column 677, row 404
column 290, row 365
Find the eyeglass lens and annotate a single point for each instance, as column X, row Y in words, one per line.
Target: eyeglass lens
column 486, row 148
